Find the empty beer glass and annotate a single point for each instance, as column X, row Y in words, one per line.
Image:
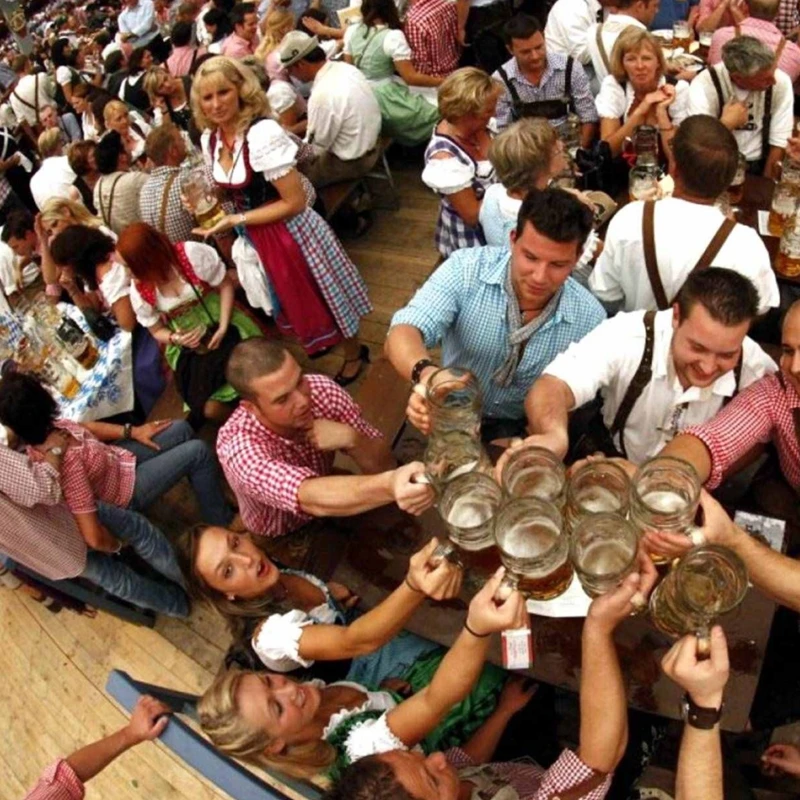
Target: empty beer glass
column 643, row 183
column 603, row 550
column 534, row 548
column 665, row 493
column 595, row 488
column 534, row 472
column 707, row 582
column 468, row 507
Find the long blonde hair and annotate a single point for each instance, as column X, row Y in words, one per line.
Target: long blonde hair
column 252, row 101
column 277, row 22
column 152, row 78
column 56, row 209
column 222, row 722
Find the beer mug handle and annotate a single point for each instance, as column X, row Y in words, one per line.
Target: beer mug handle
column 509, row 584
column 703, row 641
column 444, row 551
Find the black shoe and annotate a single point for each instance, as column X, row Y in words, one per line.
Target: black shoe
column 363, row 357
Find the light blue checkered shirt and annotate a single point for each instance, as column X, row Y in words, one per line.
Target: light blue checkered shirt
column 463, row 306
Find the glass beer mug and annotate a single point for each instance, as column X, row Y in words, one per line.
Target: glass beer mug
column 645, row 146
column 596, row 488
column 534, row 472
column 665, row 493
column 603, row 550
column 707, row 582
column 534, row 548
column 468, row 507
column 201, row 195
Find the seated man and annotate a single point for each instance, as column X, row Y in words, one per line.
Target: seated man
column 55, row 177
column 541, row 84
column 651, row 248
column 465, row 772
column 31, row 93
column 277, row 448
column 344, row 118
column 67, row 124
column 119, row 208
column 752, row 98
column 658, row 373
column 431, row 27
column 20, row 260
column 567, row 30
column 502, row 314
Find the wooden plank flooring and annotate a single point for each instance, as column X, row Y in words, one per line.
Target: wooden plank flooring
column 53, row 667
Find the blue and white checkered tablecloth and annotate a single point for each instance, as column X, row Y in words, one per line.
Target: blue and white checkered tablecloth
column 107, row 388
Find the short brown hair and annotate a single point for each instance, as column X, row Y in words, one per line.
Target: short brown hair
column 251, row 359
column 705, row 154
column 522, row 152
column 465, row 92
column 633, row 40
column 159, row 141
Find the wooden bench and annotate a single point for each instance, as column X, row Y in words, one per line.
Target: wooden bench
column 334, row 195
column 383, row 396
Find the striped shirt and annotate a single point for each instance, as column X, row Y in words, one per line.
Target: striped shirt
column 58, row 782
column 464, row 307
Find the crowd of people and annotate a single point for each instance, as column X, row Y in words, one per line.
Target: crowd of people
column 630, row 339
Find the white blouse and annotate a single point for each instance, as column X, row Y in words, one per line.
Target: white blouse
column 281, row 96
column 614, row 100
column 115, row 284
column 208, row 266
column 395, row 44
column 451, row 175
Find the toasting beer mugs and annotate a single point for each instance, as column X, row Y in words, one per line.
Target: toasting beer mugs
column 534, row 472
column 534, row 548
column 595, row 488
column 603, row 550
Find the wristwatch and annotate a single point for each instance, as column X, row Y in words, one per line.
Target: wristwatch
column 56, row 451
column 127, row 430
column 699, row 717
column 416, row 371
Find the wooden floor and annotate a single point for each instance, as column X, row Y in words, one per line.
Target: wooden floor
column 53, row 667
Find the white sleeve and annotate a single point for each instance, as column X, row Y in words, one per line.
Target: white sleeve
column 146, row 315
column 207, row 264
column 370, row 737
column 780, row 128
column 605, row 281
column 447, row 175
column 679, row 109
column 699, row 98
column 610, row 101
column 7, row 276
column 277, row 641
column 272, row 152
column 116, row 284
column 395, row 46
column 281, row 96
column 63, row 75
column 349, row 32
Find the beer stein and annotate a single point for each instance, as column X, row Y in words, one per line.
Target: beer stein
column 784, row 202
column 532, row 471
column 643, row 182
column 595, row 488
column 534, row 548
column 788, row 261
column 569, row 132
column 707, row 582
column 681, row 34
column 645, row 145
column 665, row 493
column 603, row 550
column 200, row 194
column 705, row 37
column 736, row 188
column 468, row 507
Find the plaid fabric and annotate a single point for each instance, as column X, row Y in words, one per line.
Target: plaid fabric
column 178, row 222
column 464, row 306
column 452, row 233
column 534, row 783
column 337, row 276
column 788, row 17
column 761, row 413
column 265, row 470
column 57, row 782
column 551, row 87
column 432, row 32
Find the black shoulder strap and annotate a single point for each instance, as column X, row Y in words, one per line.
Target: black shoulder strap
column 568, row 83
column 642, row 376
column 766, row 122
column 712, row 71
column 516, row 102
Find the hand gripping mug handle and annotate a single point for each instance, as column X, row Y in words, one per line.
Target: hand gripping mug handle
column 445, row 551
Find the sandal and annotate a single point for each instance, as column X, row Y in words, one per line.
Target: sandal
column 363, row 357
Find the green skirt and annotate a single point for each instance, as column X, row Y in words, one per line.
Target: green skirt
column 408, row 118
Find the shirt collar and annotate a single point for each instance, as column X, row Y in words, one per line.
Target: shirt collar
column 760, row 24
column 514, row 73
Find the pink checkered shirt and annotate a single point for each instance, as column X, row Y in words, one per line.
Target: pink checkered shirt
column 265, row 470
column 534, row 783
column 762, row 412
column 707, row 8
column 93, row 470
column 432, row 32
column 57, row 782
column 788, row 17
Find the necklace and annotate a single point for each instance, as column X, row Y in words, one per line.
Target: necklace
column 228, row 145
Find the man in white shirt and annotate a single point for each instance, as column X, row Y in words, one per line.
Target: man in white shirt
column 55, row 177
column 602, row 36
column 686, row 230
column 752, row 98
column 138, row 27
column 19, row 254
column 344, row 118
column 568, row 25
column 31, row 94
column 656, row 376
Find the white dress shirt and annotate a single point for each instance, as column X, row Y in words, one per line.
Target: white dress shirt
column 54, row 178
column 612, row 28
column 24, row 97
column 344, row 117
column 682, row 231
column 606, row 359
column 568, row 24
column 139, row 20
column 703, row 99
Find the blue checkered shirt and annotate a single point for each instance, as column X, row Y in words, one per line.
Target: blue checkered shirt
column 463, row 306
column 551, row 87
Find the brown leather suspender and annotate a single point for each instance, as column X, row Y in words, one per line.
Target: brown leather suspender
column 603, row 54
column 162, row 214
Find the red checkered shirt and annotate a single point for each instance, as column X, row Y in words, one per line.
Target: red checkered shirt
column 265, row 470
column 534, row 783
column 57, row 782
column 432, row 33
column 93, row 470
column 762, row 412
column 788, row 16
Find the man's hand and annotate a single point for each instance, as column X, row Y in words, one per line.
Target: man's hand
column 414, row 498
column 462, row 37
column 328, row 435
column 487, row 614
column 418, row 411
column 516, row 694
column 556, row 443
column 148, row 720
column 734, row 114
column 144, row 433
column 782, row 759
column 704, row 680
column 441, row 581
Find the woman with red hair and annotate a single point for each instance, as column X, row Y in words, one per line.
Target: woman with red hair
column 182, row 295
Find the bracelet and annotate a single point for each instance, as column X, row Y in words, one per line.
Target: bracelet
column 472, row 632
column 412, row 587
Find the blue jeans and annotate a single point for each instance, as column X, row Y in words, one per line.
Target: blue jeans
column 180, row 456
column 117, row 578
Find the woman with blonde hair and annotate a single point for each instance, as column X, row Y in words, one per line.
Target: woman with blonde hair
column 117, row 117
column 637, row 93
column 169, row 97
column 277, row 22
column 58, row 213
column 320, row 294
column 457, row 165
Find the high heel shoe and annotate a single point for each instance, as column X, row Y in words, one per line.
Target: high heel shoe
column 363, row 357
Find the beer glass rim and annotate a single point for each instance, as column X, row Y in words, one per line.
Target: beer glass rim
column 604, row 463
column 726, row 554
column 432, row 384
column 527, row 450
column 544, row 508
column 592, row 519
column 453, row 487
column 665, row 462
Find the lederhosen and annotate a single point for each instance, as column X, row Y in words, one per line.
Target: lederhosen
column 548, row 109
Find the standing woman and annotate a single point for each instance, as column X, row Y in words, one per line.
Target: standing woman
column 320, row 294
column 457, row 165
